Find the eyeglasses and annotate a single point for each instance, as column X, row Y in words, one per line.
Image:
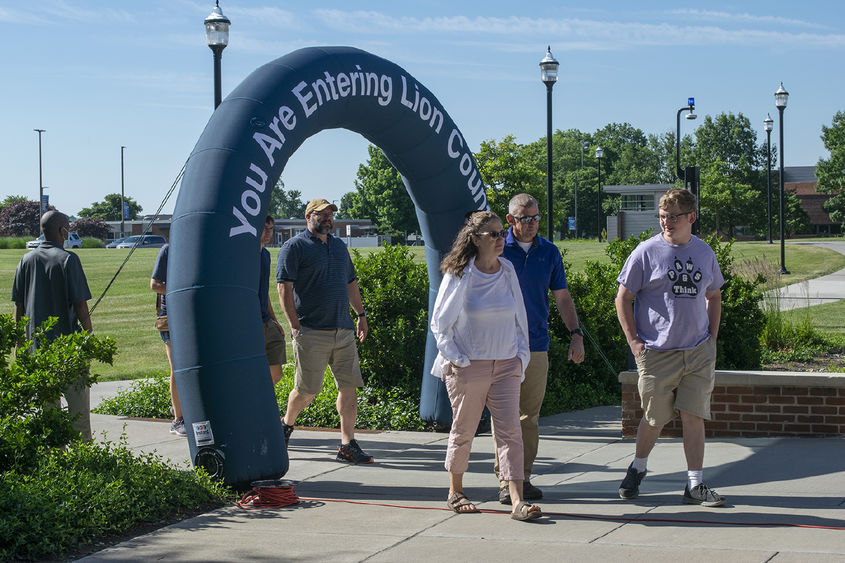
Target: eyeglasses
column 494, row 234
column 528, row 218
column 672, row 218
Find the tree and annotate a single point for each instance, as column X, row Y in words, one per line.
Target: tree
column 381, row 196
column 728, row 203
column 831, row 171
column 91, row 227
column 11, row 199
column 109, row 208
column 20, row 219
column 286, row 204
column 509, row 168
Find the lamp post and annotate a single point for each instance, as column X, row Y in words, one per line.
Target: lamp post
column 548, row 74
column 217, row 37
column 781, row 97
column 40, row 177
column 690, row 107
column 767, row 125
column 599, row 154
column 122, row 204
column 583, row 145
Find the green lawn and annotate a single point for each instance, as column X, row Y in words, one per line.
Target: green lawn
column 127, row 313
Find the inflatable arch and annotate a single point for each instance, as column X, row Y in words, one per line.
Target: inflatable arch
column 218, row 347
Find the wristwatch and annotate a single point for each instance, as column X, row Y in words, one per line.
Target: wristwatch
column 575, row 331
column 362, row 314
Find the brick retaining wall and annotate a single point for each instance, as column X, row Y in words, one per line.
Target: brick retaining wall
column 761, row 403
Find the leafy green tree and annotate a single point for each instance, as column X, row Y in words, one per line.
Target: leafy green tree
column 109, row 208
column 381, row 197
column 509, row 168
column 831, row 171
column 726, row 202
column 12, row 199
column 286, row 204
column 20, row 219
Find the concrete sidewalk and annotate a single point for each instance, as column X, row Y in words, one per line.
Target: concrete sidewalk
column 818, row 291
column 782, row 493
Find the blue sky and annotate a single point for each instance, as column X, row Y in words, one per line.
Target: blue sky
column 99, row 74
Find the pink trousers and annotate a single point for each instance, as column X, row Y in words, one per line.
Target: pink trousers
column 494, row 383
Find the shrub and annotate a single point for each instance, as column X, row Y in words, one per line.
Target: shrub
column 77, row 496
column 146, row 398
column 20, row 219
column 7, row 243
column 91, row 242
column 93, row 227
column 395, row 293
column 30, row 388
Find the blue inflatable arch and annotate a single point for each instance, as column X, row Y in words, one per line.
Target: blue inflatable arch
column 218, row 346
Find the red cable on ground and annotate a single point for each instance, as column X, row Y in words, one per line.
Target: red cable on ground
column 268, row 497
column 595, row 517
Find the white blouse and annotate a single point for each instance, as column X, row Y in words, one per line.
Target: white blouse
column 479, row 316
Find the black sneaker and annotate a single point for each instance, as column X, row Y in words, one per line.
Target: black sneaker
column 288, row 429
column 352, row 453
column 703, row 495
column 630, row 487
column 530, row 492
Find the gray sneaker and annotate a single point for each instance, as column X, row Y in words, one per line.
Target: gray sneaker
column 630, row 487
column 703, row 495
column 178, row 427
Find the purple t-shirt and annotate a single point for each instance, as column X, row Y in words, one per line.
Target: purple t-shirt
column 669, row 282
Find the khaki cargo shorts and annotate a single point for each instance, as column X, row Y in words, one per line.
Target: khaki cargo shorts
column 274, row 343
column 314, row 349
column 676, row 380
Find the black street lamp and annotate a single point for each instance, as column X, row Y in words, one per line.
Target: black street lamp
column 548, row 74
column 217, row 37
column 599, row 154
column 767, row 125
column 122, row 204
column 781, row 97
column 583, row 144
column 40, row 177
column 690, row 107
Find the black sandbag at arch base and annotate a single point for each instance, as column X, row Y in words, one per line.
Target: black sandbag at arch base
column 218, row 348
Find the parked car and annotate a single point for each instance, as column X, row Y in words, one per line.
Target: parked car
column 73, row 241
column 147, row 241
column 115, row 242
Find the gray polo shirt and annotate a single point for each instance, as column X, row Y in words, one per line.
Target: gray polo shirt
column 48, row 281
column 320, row 273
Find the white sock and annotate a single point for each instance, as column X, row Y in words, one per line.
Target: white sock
column 695, row 478
column 640, row 463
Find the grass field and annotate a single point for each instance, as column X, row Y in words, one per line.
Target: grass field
column 127, row 312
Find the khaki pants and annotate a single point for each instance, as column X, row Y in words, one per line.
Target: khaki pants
column 78, row 400
column 531, row 394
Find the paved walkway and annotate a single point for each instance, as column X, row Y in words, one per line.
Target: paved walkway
column 818, row 291
column 782, row 495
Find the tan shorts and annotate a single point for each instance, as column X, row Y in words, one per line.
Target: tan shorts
column 274, row 343
column 313, row 350
column 676, row 380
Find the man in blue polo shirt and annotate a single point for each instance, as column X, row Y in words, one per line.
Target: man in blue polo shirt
column 539, row 267
column 317, row 284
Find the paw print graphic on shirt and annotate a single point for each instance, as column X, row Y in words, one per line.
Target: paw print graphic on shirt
column 684, row 280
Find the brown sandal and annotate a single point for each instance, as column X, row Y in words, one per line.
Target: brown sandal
column 525, row 511
column 461, row 504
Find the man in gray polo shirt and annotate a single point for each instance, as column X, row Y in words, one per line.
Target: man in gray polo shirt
column 317, row 283
column 49, row 282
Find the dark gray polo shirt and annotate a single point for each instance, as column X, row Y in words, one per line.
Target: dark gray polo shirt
column 48, row 281
column 320, row 273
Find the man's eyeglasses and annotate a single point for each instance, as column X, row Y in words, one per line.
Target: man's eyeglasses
column 672, row 218
column 528, row 218
column 495, row 234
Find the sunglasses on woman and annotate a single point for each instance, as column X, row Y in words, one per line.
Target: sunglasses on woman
column 495, row 234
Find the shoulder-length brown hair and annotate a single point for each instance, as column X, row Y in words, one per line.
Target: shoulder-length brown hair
column 464, row 249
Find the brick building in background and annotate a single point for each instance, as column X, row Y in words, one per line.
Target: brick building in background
column 802, row 180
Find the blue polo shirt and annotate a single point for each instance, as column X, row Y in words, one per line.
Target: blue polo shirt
column 320, row 273
column 539, row 270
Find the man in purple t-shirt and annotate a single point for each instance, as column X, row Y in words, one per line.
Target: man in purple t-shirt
column 671, row 329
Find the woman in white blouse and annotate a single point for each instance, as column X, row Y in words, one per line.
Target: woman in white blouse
column 481, row 331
